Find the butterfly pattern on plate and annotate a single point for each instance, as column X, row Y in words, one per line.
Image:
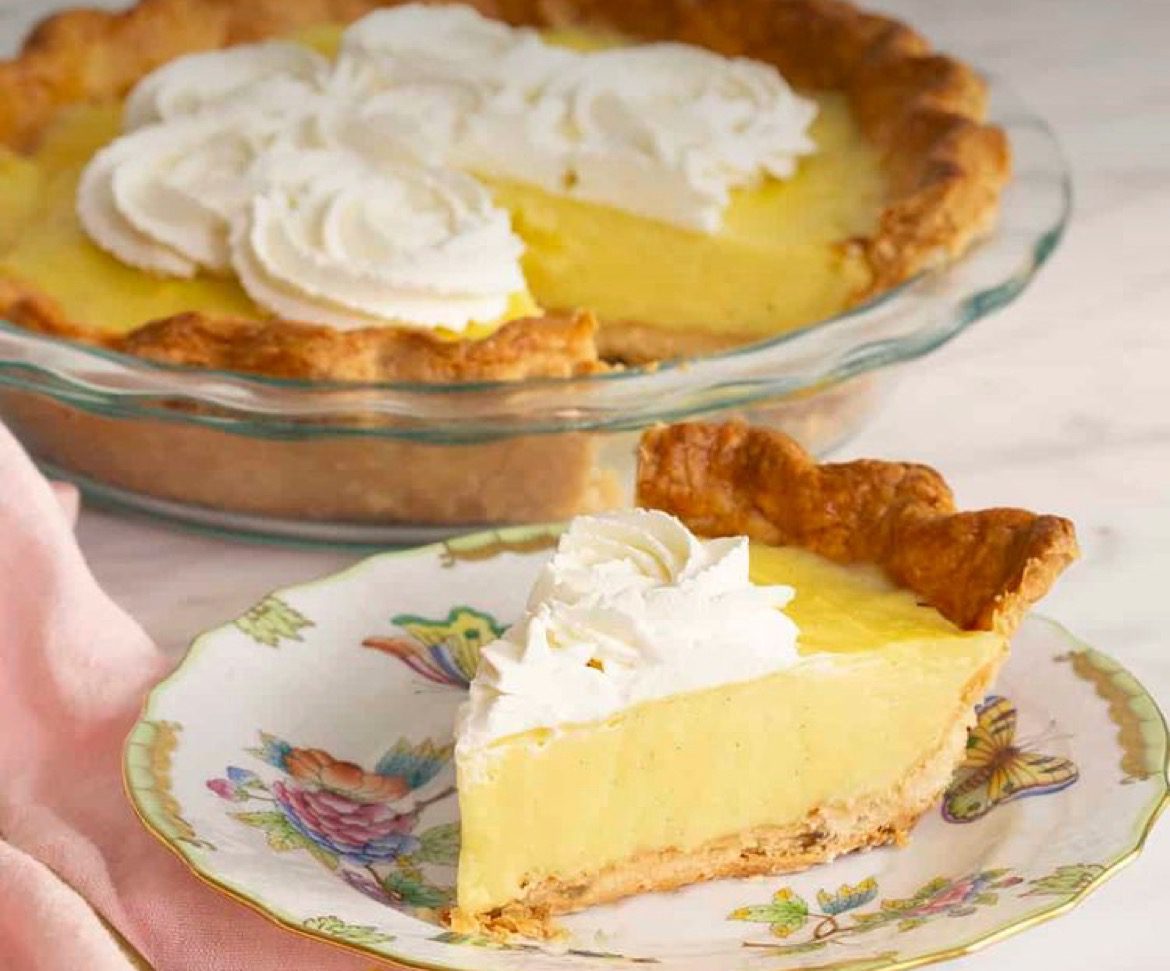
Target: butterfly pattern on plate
column 996, row 770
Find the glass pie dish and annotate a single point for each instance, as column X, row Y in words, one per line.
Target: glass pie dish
column 407, row 462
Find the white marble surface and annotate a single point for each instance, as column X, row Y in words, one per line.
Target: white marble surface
column 1061, row 402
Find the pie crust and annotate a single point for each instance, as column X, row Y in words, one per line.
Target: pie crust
column 981, row 570
column 922, row 110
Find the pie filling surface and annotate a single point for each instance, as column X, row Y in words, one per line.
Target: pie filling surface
column 781, row 260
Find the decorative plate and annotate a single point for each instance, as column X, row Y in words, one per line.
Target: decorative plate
column 263, row 761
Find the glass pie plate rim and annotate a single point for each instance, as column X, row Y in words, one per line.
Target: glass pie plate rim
column 899, row 325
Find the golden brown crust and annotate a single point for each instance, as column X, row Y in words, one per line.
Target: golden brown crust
column 82, row 55
column 923, row 111
column 759, row 851
column 828, row 831
column 551, row 346
column 982, row 570
column 544, row 347
column 33, row 310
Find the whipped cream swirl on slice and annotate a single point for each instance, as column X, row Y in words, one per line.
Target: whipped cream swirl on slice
column 162, row 198
column 632, row 607
column 666, row 131
column 277, row 72
column 331, row 237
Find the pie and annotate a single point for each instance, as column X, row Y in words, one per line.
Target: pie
column 896, row 171
column 655, row 720
column 902, row 172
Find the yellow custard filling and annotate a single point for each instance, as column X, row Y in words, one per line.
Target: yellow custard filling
column 847, row 609
column 781, row 260
column 42, row 242
column 704, row 765
column 46, row 247
column 778, row 263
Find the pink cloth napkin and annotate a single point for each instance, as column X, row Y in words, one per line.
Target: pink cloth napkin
column 73, row 671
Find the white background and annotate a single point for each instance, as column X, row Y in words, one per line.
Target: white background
column 1060, row 403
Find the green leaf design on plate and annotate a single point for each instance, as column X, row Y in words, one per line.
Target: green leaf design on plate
column 261, row 820
column 272, row 621
column 440, row 844
column 282, row 836
column 923, row 894
column 341, row 930
column 412, row 889
column 758, row 913
column 1065, row 881
column 285, row 838
column 787, row 913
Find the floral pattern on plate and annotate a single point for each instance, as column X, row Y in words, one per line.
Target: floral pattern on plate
column 788, row 912
column 362, row 825
column 313, row 782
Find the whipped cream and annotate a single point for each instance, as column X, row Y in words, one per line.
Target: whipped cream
column 334, row 238
column 162, row 198
column 456, row 84
column 277, row 73
column 453, row 41
column 362, row 110
column 665, row 131
column 632, row 607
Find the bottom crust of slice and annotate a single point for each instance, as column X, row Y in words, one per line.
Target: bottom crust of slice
column 828, row 831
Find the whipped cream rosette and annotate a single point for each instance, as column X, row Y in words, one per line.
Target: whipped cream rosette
column 363, row 109
column 633, row 606
column 666, row 131
column 279, row 73
column 453, row 41
column 457, row 84
column 162, row 198
column 329, row 236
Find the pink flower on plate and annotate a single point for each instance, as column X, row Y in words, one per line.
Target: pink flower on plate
column 226, row 789
column 362, row 832
column 357, row 815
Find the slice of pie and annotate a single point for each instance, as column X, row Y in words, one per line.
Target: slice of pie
column 797, row 685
